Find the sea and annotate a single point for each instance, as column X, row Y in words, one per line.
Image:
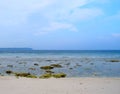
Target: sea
column 75, row 63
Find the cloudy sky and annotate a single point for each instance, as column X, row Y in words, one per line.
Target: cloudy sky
column 60, row 24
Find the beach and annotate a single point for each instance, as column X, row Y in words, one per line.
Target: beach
column 61, row 72
column 60, row 47
column 13, row 85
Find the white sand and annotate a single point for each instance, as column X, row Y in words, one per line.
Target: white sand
column 11, row 85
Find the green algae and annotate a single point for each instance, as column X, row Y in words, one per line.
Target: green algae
column 49, row 71
column 46, row 75
column 114, row 60
column 49, row 75
column 47, row 67
column 56, row 65
column 59, row 75
column 28, row 75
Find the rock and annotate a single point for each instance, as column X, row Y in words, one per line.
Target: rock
column 47, row 75
column 56, row 65
column 28, row 75
column 47, row 67
column 59, row 75
column 9, row 72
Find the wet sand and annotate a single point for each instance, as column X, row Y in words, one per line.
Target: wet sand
column 12, row 85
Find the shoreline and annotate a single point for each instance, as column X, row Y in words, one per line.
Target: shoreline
column 82, row 85
column 100, row 77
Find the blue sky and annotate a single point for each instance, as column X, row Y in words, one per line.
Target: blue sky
column 60, row 24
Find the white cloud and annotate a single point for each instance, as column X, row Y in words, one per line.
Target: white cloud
column 60, row 14
column 16, row 12
column 71, row 4
column 85, row 14
column 72, row 11
column 54, row 26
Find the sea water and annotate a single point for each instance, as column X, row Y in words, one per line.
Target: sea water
column 75, row 63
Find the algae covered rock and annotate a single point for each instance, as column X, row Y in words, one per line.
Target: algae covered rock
column 49, row 71
column 9, row 72
column 36, row 64
column 47, row 67
column 46, row 75
column 49, row 75
column 114, row 60
column 56, row 65
column 28, row 75
column 59, row 75
column 31, row 76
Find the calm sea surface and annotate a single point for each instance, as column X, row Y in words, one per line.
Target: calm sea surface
column 102, row 63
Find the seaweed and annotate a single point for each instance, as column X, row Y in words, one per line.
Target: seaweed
column 47, row 67
column 56, row 65
column 59, row 75
column 28, row 75
column 9, row 72
column 46, row 75
column 49, row 75
column 114, row 60
column 48, row 71
column 36, row 64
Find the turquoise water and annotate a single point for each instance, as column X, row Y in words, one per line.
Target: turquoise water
column 75, row 63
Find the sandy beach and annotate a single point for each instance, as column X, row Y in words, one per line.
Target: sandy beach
column 12, row 85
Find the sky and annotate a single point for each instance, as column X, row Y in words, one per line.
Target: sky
column 60, row 24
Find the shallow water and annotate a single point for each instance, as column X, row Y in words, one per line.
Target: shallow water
column 75, row 64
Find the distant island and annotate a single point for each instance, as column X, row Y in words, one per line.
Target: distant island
column 16, row 49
